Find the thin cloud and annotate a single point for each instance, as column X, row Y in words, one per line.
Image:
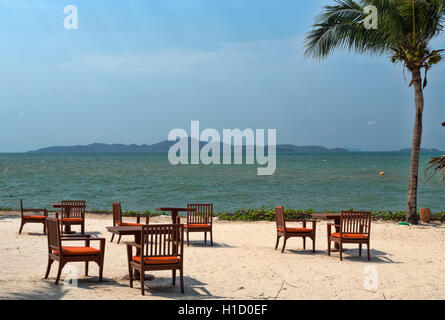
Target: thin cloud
column 371, row 123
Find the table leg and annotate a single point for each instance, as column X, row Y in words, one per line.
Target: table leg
column 174, row 216
column 68, row 229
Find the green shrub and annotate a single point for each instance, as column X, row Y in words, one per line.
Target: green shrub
column 265, row 214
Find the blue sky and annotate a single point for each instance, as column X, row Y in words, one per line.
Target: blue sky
column 136, row 69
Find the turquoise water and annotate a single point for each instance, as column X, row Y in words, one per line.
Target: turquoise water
column 145, row 181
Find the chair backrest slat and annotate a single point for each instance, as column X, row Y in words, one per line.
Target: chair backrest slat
column 279, row 217
column 355, row 222
column 73, row 208
column 162, row 240
column 53, row 231
column 199, row 213
column 117, row 214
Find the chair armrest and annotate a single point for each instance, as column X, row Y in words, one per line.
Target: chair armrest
column 133, row 244
column 333, row 224
column 82, row 236
column 329, row 227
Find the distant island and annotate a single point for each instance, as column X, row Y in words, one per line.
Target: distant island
column 164, row 146
column 422, row 150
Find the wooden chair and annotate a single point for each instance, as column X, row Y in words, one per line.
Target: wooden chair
column 117, row 220
column 354, row 227
column 73, row 213
column 65, row 254
column 199, row 219
column 32, row 218
column 284, row 231
column 161, row 248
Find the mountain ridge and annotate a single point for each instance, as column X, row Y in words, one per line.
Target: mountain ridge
column 164, row 146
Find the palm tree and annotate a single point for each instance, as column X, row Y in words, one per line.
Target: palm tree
column 404, row 31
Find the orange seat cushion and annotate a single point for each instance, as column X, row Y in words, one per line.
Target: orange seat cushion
column 34, row 217
column 295, row 230
column 78, row 251
column 157, row 260
column 351, row 236
column 129, row 224
column 197, row 226
column 72, row 220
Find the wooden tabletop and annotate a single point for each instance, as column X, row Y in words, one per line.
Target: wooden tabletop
column 326, row 216
column 170, row 209
column 125, row 230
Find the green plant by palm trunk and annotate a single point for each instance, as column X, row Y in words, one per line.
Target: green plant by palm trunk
column 404, row 31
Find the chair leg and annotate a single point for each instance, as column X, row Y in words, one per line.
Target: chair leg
column 142, row 281
column 101, row 270
column 174, row 276
column 284, row 244
column 86, row 268
column 360, row 250
column 44, row 228
column 329, row 247
column 48, row 269
column 130, row 275
column 188, row 240
column 304, row 243
column 340, row 250
column 313, row 244
column 369, row 252
column 205, row 237
column 119, row 239
column 112, row 237
column 82, row 228
column 276, row 244
column 181, row 279
column 59, row 272
column 21, row 227
column 211, row 238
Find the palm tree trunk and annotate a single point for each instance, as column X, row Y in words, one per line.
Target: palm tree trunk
column 411, row 207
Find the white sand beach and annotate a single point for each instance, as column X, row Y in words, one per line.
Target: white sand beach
column 409, row 261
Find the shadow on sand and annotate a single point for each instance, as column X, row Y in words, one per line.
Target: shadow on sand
column 201, row 244
column 162, row 287
column 49, row 291
column 349, row 255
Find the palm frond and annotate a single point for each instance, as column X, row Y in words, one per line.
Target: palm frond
column 437, row 165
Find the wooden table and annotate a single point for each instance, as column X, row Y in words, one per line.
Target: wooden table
column 174, row 212
column 330, row 216
column 136, row 232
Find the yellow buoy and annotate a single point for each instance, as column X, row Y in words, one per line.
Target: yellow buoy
column 382, row 173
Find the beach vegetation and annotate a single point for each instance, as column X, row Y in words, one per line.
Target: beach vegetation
column 266, row 214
